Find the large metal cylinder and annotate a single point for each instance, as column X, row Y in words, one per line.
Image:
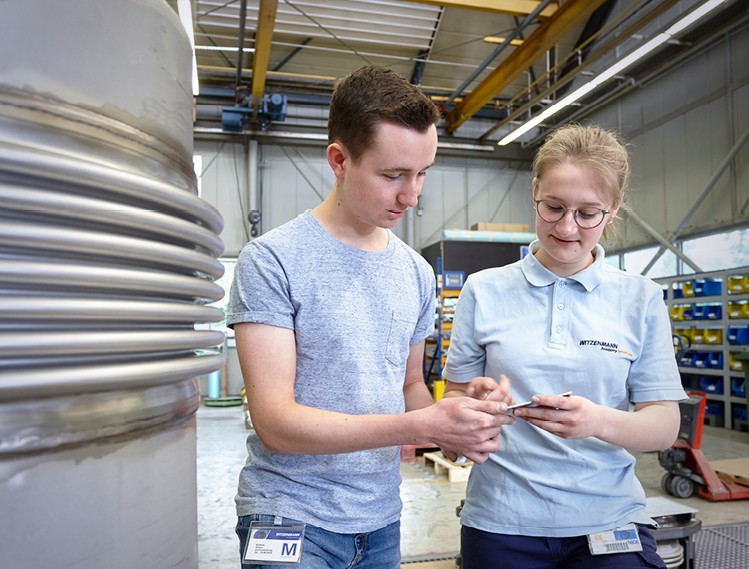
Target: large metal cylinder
column 107, row 262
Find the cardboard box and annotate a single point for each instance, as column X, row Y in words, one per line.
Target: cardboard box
column 507, row 227
column 736, row 468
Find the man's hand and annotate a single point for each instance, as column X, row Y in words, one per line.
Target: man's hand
column 468, row 426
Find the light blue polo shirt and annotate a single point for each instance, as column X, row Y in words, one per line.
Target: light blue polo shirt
column 603, row 334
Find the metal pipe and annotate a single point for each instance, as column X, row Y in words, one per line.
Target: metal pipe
column 662, row 240
column 240, row 44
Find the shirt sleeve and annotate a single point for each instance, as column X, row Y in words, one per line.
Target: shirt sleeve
column 260, row 290
column 466, row 359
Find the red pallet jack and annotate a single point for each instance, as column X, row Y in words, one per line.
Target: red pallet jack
column 687, row 469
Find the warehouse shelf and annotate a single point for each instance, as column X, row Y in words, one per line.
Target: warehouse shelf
column 459, row 254
column 710, row 318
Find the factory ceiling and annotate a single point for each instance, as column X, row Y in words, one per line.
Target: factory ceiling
column 489, row 64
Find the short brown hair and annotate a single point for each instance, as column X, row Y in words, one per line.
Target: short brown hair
column 370, row 95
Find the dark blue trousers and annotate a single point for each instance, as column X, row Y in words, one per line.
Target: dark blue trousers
column 484, row 550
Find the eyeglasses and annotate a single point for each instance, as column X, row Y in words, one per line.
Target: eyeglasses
column 586, row 218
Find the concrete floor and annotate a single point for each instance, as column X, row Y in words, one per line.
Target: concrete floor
column 429, row 524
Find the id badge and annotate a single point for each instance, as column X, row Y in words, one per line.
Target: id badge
column 274, row 544
column 619, row 540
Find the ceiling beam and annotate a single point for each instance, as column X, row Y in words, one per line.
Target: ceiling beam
column 548, row 33
column 513, row 7
column 266, row 21
column 569, row 72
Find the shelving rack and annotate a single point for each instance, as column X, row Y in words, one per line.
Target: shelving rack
column 710, row 318
column 459, row 254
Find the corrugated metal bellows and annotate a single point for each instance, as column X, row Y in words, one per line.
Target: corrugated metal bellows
column 107, row 257
column 107, row 266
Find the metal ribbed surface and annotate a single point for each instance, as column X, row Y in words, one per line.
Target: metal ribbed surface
column 107, row 256
column 722, row 547
column 108, row 262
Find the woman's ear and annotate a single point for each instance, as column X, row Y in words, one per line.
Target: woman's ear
column 534, row 184
column 612, row 214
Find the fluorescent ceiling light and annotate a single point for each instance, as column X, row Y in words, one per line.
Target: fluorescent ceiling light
column 221, row 48
column 185, row 16
column 615, row 69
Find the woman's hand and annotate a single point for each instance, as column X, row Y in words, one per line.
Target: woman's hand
column 652, row 426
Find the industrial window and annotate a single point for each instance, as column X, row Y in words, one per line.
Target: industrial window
column 720, row 251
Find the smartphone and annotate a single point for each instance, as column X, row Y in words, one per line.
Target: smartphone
column 531, row 404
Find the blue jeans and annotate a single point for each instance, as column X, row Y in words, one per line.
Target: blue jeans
column 484, row 550
column 323, row 549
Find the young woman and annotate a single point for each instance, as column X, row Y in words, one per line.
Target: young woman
column 561, row 492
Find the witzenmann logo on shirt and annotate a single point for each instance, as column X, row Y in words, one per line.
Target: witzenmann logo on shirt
column 605, row 346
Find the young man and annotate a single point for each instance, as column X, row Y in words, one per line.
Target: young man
column 330, row 313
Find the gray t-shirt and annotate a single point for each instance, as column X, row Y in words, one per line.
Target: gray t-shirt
column 354, row 314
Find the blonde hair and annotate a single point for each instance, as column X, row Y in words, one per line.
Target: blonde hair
column 599, row 150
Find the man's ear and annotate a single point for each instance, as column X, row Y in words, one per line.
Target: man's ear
column 337, row 158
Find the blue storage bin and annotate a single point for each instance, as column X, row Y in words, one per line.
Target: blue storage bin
column 687, row 312
column 686, row 360
column 704, row 287
column 715, row 410
column 739, row 413
column 738, row 387
column 678, row 293
column 738, row 335
column 714, row 414
column 715, row 360
column 698, row 312
column 699, row 360
column 712, row 385
column 713, row 312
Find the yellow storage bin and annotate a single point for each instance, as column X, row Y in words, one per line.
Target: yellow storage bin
column 712, row 336
column 734, row 363
column 738, row 309
column 695, row 335
column 677, row 313
column 687, row 289
column 738, row 284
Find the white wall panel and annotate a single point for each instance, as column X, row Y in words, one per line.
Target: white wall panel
column 293, row 179
column 681, row 127
column 444, row 203
column 223, row 184
column 678, row 190
column 741, row 165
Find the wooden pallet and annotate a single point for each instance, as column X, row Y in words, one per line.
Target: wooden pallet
column 410, row 453
column 455, row 472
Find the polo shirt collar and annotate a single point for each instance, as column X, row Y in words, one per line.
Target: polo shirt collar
column 538, row 275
